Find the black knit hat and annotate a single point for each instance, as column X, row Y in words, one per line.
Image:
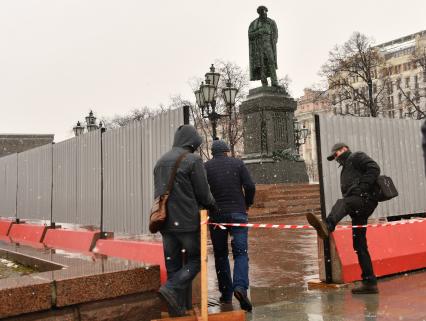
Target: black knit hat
column 219, row 147
column 334, row 149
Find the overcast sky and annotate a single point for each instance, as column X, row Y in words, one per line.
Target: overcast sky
column 60, row 58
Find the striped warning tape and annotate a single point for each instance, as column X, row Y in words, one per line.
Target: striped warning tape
column 291, row 226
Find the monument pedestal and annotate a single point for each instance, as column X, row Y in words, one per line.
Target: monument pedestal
column 268, row 114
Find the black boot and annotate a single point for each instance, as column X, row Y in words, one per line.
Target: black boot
column 170, row 298
column 244, row 300
column 318, row 224
column 366, row 288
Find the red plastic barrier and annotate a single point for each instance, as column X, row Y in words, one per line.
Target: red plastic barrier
column 147, row 252
column 31, row 233
column 393, row 249
column 5, row 227
column 76, row 240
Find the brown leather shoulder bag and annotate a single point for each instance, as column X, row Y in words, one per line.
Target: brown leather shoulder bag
column 159, row 207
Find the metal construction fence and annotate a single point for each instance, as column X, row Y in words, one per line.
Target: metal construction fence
column 102, row 178
column 395, row 144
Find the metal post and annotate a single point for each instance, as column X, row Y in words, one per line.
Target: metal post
column 103, row 235
column 186, row 115
column 326, row 242
column 213, row 120
column 52, row 224
column 17, row 189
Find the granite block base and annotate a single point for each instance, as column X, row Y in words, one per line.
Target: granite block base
column 136, row 307
column 271, row 172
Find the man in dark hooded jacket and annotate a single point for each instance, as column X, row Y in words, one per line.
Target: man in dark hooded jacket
column 358, row 186
column 181, row 233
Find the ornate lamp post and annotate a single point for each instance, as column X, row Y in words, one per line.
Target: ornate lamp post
column 91, row 122
column 229, row 95
column 206, row 98
column 78, row 129
column 300, row 135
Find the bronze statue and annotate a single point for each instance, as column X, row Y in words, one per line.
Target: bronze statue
column 263, row 37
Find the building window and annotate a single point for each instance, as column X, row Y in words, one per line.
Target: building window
column 407, row 82
column 416, row 83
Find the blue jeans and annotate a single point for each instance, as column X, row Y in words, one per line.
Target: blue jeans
column 239, row 244
column 182, row 256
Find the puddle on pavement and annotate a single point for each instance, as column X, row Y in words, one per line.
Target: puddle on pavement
column 11, row 269
column 281, row 263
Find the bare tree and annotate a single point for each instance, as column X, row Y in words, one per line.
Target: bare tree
column 136, row 114
column 354, row 78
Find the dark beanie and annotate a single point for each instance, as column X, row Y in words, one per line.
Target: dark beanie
column 219, row 147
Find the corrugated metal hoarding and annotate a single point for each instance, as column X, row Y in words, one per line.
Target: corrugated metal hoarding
column 88, row 149
column 122, row 151
column 35, row 183
column 8, row 185
column 64, row 205
column 129, row 156
column 395, row 144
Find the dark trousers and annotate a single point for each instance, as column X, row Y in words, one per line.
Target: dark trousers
column 182, row 256
column 239, row 244
column 359, row 209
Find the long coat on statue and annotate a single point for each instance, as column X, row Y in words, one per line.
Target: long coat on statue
column 263, row 37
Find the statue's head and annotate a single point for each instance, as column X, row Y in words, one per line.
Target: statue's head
column 262, row 11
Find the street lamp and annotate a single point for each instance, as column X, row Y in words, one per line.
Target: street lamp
column 78, row 129
column 91, row 122
column 229, row 94
column 206, row 98
column 300, row 135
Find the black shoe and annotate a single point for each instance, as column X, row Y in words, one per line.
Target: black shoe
column 225, row 300
column 245, row 303
column 318, row 224
column 366, row 288
column 169, row 297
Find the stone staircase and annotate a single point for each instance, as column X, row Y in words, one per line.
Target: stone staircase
column 278, row 200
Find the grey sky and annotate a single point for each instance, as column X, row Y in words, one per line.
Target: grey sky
column 60, row 58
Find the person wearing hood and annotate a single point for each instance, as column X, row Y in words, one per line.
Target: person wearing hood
column 358, row 186
column 228, row 177
column 181, row 231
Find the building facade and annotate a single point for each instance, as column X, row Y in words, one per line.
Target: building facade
column 16, row 143
column 311, row 103
column 399, row 84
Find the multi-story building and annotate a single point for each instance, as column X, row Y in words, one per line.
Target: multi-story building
column 312, row 102
column 16, row 143
column 399, row 84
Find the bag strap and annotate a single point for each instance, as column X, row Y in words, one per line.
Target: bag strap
column 175, row 168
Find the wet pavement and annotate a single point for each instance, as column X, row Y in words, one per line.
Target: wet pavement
column 282, row 262
column 11, row 269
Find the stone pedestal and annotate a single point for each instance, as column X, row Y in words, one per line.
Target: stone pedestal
column 268, row 115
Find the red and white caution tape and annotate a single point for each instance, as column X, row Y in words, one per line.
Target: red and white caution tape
column 290, row 226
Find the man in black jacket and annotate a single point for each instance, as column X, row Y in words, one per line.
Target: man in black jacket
column 227, row 177
column 181, row 233
column 358, row 183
